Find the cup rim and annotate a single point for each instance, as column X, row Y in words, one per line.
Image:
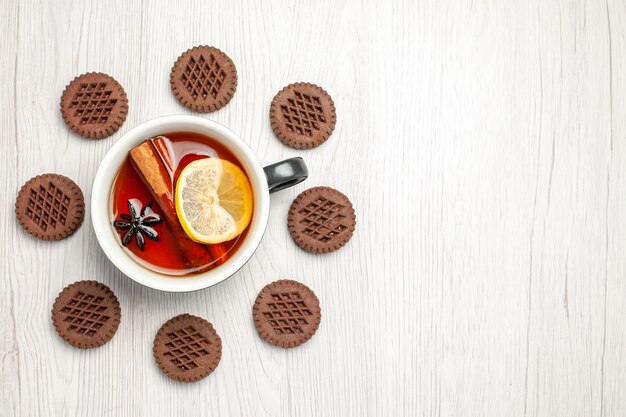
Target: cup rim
column 108, row 238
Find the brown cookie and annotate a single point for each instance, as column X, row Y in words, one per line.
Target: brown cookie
column 204, row 79
column 187, row 348
column 303, row 115
column 86, row 314
column 50, row 206
column 94, row 105
column 321, row 219
column 286, row 313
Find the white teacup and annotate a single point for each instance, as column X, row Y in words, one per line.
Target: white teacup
column 263, row 180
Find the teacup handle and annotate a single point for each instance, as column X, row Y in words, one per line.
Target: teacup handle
column 285, row 174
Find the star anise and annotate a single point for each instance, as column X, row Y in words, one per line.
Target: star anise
column 138, row 222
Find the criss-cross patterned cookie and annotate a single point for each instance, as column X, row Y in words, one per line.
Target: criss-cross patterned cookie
column 50, row 207
column 303, row 115
column 187, row 348
column 86, row 314
column 321, row 219
column 94, row 105
column 286, row 313
column 204, row 79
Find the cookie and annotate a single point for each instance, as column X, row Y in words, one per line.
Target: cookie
column 303, row 115
column 321, row 220
column 187, row 348
column 204, row 79
column 286, row 313
column 94, row 105
column 50, row 206
column 86, row 314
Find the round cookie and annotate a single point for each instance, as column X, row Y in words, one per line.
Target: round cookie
column 187, row 348
column 50, row 206
column 286, row 313
column 321, row 220
column 86, row 314
column 204, row 79
column 94, row 105
column 303, row 115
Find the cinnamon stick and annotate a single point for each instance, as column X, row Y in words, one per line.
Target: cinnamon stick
column 155, row 175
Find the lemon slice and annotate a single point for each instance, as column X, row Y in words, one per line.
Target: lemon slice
column 213, row 200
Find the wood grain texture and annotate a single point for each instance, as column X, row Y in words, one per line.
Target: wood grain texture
column 482, row 143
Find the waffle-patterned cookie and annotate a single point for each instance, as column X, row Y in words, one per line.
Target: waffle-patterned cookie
column 303, row 115
column 50, row 207
column 86, row 314
column 187, row 348
column 286, row 313
column 94, row 105
column 321, row 219
column 204, row 79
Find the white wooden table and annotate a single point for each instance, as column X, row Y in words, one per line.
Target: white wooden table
column 482, row 143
